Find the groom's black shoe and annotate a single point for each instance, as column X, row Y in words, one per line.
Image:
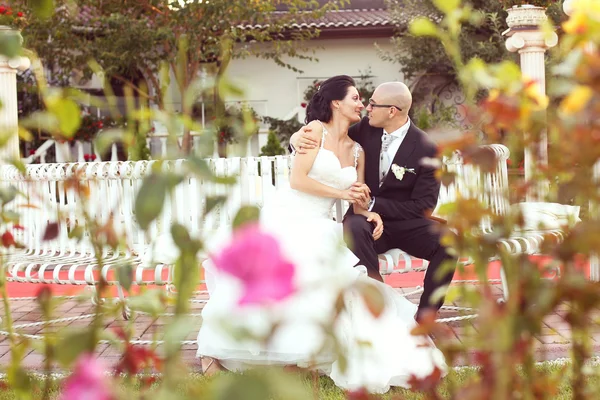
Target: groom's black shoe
column 426, row 322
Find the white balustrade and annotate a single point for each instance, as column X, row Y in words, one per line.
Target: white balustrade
column 113, row 187
column 8, row 104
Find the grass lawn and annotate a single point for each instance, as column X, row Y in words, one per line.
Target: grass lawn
column 199, row 387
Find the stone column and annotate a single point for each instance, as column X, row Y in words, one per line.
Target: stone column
column 9, row 113
column 531, row 43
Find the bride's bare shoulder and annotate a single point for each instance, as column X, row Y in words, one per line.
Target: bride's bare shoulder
column 316, row 126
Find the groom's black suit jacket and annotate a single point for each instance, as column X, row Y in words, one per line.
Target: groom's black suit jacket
column 412, row 199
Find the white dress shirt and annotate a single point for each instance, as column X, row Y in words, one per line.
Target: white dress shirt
column 400, row 133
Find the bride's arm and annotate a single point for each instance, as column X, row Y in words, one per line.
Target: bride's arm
column 360, row 169
column 299, row 179
column 371, row 216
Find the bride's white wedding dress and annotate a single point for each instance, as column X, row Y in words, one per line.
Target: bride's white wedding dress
column 380, row 352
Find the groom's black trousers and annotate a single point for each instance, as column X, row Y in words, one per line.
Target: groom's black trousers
column 418, row 237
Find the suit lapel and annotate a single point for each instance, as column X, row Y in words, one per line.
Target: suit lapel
column 404, row 151
column 372, row 160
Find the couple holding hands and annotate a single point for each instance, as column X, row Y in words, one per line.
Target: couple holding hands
column 375, row 163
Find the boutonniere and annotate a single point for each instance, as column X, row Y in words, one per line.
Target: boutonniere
column 400, row 171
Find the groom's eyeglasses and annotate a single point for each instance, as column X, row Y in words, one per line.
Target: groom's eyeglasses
column 374, row 105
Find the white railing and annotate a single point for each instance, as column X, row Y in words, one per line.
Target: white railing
column 157, row 143
column 113, row 186
column 77, row 151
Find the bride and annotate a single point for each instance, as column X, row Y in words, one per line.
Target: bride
column 378, row 352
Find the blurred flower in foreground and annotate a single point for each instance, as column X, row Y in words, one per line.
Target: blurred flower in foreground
column 87, row 381
column 576, row 100
column 577, row 24
column 584, row 15
column 255, row 258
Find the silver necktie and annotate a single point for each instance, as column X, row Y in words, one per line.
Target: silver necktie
column 384, row 158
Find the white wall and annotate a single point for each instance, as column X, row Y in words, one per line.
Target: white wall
column 275, row 90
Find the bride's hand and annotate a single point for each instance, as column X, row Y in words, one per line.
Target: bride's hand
column 378, row 231
column 364, row 192
column 352, row 196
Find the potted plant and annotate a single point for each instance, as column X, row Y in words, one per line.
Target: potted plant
column 11, row 23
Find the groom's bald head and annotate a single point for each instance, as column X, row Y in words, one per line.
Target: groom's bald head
column 389, row 106
column 395, row 93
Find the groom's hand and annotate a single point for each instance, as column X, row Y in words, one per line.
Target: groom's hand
column 304, row 140
column 363, row 194
column 376, row 219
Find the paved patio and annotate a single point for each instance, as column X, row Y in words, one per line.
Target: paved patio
column 554, row 343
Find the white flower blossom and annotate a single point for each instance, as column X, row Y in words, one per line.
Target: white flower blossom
column 400, row 171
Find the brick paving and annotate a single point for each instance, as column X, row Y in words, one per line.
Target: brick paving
column 553, row 343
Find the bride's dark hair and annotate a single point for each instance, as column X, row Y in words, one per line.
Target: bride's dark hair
column 334, row 88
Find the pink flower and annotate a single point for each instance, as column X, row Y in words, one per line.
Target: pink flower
column 87, row 381
column 255, row 258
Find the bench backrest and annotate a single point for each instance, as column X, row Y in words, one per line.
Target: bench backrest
column 113, row 187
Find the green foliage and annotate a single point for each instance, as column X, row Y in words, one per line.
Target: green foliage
column 273, row 146
column 416, row 54
column 364, row 85
column 426, row 118
column 126, row 38
column 505, row 339
column 480, row 37
column 284, row 129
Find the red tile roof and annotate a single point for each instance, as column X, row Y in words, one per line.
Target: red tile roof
column 347, row 19
column 351, row 18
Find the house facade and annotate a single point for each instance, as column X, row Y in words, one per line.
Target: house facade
column 349, row 43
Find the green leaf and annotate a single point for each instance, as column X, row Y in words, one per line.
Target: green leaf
column 40, row 120
column 8, row 194
column 76, row 233
column 246, row 214
column 11, row 216
column 447, row 209
column 175, row 332
column 107, row 137
column 19, row 381
column 18, row 164
column 150, row 199
column 186, row 275
column 150, row 302
column 422, row 26
column 42, row 8
column 199, row 167
column 180, row 235
column 68, row 114
column 446, row 6
column 212, row 202
column 71, row 344
column 125, row 275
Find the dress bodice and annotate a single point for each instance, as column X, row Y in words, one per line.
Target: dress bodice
column 327, row 170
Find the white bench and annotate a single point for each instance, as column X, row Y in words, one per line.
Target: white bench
column 113, row 186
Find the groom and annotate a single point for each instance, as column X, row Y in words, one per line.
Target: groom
column 401, row 189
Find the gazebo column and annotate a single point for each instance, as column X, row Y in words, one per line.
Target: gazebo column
column 9, row 112
column 531, row 43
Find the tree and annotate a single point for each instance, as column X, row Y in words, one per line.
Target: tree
column 481, row 38
column 273, row 146
column 188, row 37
